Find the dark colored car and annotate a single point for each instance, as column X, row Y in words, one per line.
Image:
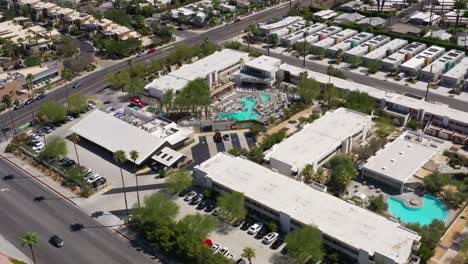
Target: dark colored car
column 263, row 232
column 18, row 106
column 69, row 163
column 29, row 101
column 33, row 122
column 247, row 223
column 241, row 261
column 196, row 200
column 210, row 206
column 285, row 250
column 237, row 20
column 278, row 242
column 153, row 50
column 217, row 138
column 202, row 205
column 184, row 192
column 56, row 241
column 226, row 137
column 237, row 223
column 40, row 96
column 77, row 85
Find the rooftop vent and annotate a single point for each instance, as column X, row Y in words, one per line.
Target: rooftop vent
column 392, row 160
column 384, row 168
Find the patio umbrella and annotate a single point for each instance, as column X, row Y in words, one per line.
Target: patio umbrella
column 208, row 242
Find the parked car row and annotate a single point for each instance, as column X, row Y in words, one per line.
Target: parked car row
column 30, row 101
column 91, row 177
column 260, row 231
column 224, row 251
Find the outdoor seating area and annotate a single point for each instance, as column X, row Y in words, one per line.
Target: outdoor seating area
column 250, row 104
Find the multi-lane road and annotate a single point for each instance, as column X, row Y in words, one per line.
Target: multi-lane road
column 54, row 216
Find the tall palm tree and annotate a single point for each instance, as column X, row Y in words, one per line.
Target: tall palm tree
column 120, row 157
column 31, row 240
column 67, row 75
column 75, row 138
column 8, row 102
column 134, row 156
column 29, row 84
column 248, row 253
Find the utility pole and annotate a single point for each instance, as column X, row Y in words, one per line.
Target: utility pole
column 428, row 85
column 268, row 43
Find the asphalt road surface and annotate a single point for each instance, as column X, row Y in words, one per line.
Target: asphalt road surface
column 53, row 216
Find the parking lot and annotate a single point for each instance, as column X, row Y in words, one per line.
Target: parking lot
column 205, row 147
column 235, row 238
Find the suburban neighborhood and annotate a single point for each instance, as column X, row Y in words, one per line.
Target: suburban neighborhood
column 248, row 131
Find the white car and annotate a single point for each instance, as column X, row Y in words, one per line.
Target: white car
column 224, row 251
column 35, row 137
column 93, row 178
column 216, row 248
column 253, row 230
column 268, row 239
column 70, row 118
column 231, row 256
column 190, row 196
column 38, row 146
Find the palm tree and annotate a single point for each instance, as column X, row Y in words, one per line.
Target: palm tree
column 120, row 157
column 248, row 253
column 29, row 84
column 134, row 156
column 67, row 75
column 49, row 29
column 75, row 138
column 31, row 240
column 8, row 102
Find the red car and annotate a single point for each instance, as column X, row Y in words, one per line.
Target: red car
column 136, row 101
column 153, row 50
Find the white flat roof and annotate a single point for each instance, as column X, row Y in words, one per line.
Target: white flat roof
column 282, row 23
column 365, row 47
column 353, row 225
column 264, row 63
column 399, row 56
column 452, row 56
column 167, row 156
column 324, row 33
column 342, row 35
column 417, row 61
column 309, row 30
column 325, row 14
column 358, row 39
column 398, row 99
column 425, row 16
column 388, row 47
column 114, row 134
column 402, row 158
column 317, row 140
column 217, row 61
column 459, row 71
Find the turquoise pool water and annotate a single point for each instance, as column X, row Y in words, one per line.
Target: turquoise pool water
column 432, row 209
column 265, row 97
column 248, row 113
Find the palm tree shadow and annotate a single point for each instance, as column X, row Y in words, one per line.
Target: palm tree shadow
column 278, row 258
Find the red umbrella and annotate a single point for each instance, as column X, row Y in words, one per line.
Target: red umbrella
column 208, row 242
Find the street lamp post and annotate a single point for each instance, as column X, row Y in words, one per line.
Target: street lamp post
column 304, row 48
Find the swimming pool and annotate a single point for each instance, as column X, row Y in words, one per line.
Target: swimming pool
column 248, row 113
column 433, row 208
column 265, row 97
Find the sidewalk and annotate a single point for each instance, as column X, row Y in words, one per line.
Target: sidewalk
column 8, row 250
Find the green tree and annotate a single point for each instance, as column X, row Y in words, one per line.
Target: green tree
column 434, row 183
column 198, row 225
column 339, row 56
column 118, row 80
column 255, row 154
column 194, row 96
column 343, row 171
column 374, row 66
column 7, row 100
column 301, row 49
column 29, row 84
column 238, row 152
column 330, row 94
column 119, row 17
column 273, row 139
column 377, row 204
column 136, row 87
column 256, row 129
column 430, row 236
column 360, row 102
column 32, row 61
column 248, row 253
column 52, row 112
column 67, row 75
column 273, row 39
column 252, row 31
column 305, row 244
column 319, row 52
column 167, row 100
column 157, row 210
column 120, row 157
column 134, row 155
column 234, row 203
column 178, row 180
column 78, row 103
column 31, row 240
column 355, row 61
column 56, row 147
column 309, row 89
column 75, row 138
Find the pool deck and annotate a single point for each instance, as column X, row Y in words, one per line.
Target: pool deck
column 411, row 200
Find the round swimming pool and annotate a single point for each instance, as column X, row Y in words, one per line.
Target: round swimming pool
column 432, row 208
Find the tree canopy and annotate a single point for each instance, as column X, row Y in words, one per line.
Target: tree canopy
column 377, row 204
column 193, row 96
column 56, row 147
column 234, row 203
column 51, row 112
column 78, row 103
column 178, row 180
column 343, row 171
column 360, row 102
column 157, row 209
column 309, row 89
column 305, row 244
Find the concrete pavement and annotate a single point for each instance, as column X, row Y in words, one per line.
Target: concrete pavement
column 95, row 243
